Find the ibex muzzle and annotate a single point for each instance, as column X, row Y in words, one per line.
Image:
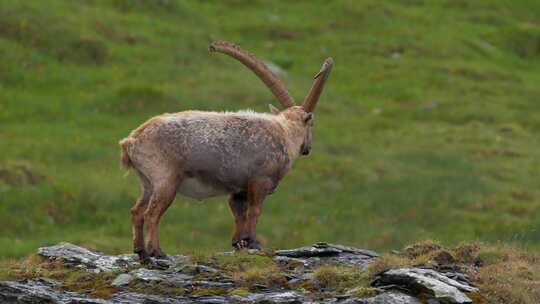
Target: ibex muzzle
column 203, row 154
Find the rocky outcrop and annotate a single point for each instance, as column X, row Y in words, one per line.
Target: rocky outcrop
column 180, row 279
column 439, row 286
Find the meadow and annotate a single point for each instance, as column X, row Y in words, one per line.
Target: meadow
column 427, row 128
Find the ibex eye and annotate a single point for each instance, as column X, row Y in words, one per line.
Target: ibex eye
column 308, row 118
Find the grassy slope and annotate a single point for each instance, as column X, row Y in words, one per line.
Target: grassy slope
column 76, row 76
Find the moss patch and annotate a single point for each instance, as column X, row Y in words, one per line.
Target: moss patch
column 242, row 261
column 337, row 279
column 241, row 292
column 76, row 280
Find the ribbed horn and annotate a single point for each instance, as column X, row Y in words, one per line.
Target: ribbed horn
column 258, row 67
column 316, row 89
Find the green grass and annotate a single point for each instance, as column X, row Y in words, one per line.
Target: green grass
column 427, row 128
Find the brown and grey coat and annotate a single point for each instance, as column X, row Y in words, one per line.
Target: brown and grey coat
column 204, row 154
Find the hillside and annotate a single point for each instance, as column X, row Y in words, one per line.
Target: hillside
column 427, row 128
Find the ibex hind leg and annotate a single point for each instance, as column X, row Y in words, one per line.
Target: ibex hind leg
column 163, row 195
column 137, row 216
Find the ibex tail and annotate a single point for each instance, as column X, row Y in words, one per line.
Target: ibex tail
column 126, row 161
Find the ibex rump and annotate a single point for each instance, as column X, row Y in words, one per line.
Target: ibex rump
column 204, row 154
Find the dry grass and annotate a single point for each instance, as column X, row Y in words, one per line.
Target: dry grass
column 248, row 268
column 504, row 274
column 34, row 266
column 241, row 261
column 209, row 291
column 270, row 276
column 388, row 261
column 507, row 275
column 241, row 292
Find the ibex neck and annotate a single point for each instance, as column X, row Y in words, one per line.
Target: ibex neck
column 295, row 137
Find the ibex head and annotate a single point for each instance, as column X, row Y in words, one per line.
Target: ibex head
column 301, row 115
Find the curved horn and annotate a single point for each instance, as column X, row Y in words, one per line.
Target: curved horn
column 258, row 67
column 318, row 85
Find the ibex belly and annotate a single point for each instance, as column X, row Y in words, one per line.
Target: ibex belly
column 197, row 189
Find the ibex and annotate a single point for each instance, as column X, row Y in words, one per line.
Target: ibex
column 203, row 154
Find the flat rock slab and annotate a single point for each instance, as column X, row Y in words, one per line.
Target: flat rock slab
column 325, row 253
column 391, row 297
column 439, row 286
column 76, row 256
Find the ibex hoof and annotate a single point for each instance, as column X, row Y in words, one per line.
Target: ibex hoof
column 158, row 254
column 241, row 245
column 143, row 255
column 245, row 244
column 255, row 245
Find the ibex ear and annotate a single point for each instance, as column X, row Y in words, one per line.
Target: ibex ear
column 273, row 109
column 308, row 118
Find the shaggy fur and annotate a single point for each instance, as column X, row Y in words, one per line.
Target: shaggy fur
column 204, row 154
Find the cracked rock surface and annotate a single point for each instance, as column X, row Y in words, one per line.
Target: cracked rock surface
column 182, row 280
column 438, row 285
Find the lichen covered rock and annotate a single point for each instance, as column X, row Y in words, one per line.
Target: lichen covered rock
column 301, row 275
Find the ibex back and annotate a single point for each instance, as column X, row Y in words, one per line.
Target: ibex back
column 204, row 154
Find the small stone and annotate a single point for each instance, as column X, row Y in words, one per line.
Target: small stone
column 122, row 280
column 91, row 261
column 429, row 105
column 324, row 253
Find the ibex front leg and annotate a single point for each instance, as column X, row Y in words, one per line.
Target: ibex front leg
column 257, row 192
column 239, row 205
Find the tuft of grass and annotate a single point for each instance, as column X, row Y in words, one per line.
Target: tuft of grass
column 33, row 266
column 18, row 174
column 365, row 292
column 137, row 98
column 422, row 248
column 523, row 39
column 249, row 268
column 85, row 50
column 270, row 276
column 491, row 256
column 240, row 261
column 96, row 285
column 388, row 261
column 337, row 279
